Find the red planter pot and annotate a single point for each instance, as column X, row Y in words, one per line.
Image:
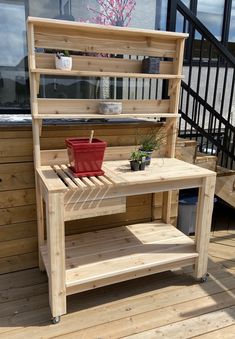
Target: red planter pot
column 86, row 158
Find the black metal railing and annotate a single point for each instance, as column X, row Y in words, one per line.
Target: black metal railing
column 207, row 103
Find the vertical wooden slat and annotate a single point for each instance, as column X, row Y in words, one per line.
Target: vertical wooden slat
column 36, row 126
column 171, row 123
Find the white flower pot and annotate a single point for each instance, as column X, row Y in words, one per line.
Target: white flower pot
column 110, row 107
column 63, row 63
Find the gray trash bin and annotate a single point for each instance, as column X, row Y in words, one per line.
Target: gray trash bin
column 187, row 214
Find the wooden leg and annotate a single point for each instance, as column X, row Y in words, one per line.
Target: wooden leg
column 203, row 225
column 40, row 223
column 56, row 253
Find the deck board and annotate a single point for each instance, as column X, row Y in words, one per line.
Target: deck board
column 169, row 302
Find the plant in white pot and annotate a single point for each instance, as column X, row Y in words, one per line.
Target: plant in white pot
column 63, row 61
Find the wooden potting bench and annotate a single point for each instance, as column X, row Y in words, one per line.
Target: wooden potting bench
column 81, row 262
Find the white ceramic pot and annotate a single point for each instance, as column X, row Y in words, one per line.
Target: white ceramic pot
column 111, row 107
column 63, row 63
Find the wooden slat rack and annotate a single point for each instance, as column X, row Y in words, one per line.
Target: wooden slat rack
column 89, row 260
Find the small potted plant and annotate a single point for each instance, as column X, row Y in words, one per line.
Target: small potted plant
column 152, row 141
column 137, row 161
column 63, row 61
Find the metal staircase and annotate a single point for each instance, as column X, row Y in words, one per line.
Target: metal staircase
column 207, row 104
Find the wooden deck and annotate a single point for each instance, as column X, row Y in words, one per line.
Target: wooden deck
column 169, row 305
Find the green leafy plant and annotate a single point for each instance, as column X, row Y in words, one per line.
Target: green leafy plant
column 66, row 53
column 152, row 141
column 138, row 156
column 61, row 54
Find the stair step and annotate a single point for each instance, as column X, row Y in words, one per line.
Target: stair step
column 225, row 185
column 222, row 171
column 206, row 161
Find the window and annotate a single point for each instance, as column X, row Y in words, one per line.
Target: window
column 13, row 57
column 14, row 82
column 149, row 14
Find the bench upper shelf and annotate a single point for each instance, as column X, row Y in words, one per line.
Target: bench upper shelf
column 88, row 73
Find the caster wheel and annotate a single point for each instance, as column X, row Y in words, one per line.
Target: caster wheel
column 56, row 320
column 204, row 278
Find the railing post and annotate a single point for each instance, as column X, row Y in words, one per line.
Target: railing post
column 171, row 15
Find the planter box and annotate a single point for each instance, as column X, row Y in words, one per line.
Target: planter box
column 86, row 158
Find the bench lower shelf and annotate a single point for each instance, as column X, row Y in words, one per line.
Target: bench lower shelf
column 104, row 257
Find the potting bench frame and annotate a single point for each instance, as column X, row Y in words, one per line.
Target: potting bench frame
column 89, row 260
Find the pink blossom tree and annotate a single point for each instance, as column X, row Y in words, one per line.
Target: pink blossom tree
column 113, row 12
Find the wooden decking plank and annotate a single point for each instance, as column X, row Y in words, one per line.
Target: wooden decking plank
column 165, row 300
column 27, row 303
column 191, row 327
column 227, row 332
column 130, row 324
column 21, row 279
column 168, row 295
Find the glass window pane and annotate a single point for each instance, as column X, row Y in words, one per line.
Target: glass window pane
column 231, row 44
column 145, row 14
column 13, row 52
column 14, row 83
column 211, row 12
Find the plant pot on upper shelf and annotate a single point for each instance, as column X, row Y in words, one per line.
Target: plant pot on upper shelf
column 63, row 61
column 110, row 107
column 151, row 65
